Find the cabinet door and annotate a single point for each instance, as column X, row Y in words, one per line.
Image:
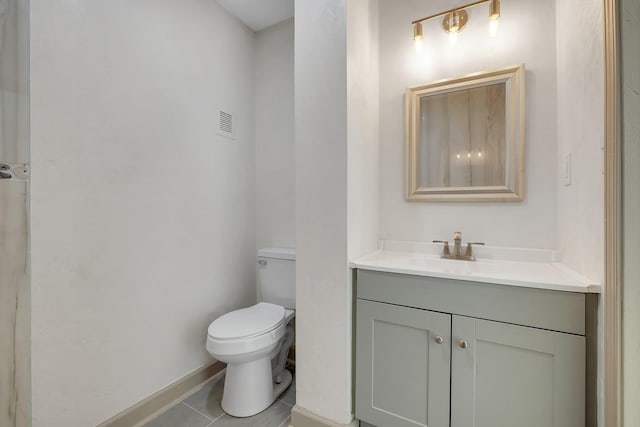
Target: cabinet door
column 509, row 375
column 402, row 365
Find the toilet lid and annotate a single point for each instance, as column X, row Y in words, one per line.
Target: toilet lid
column 246, row 322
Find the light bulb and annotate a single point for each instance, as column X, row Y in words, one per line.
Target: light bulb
column 418, row 45
column 493, row 27
column 454, row 22
column 453, row 39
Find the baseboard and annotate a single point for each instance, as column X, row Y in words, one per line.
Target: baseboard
column 153, row 405
column 301, row 417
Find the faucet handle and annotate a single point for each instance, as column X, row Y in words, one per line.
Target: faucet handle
column 445, row 250
column 469, row 251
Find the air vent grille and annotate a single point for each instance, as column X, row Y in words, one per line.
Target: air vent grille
column 225, row 123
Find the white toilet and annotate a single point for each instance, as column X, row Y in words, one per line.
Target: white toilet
column 254, row 341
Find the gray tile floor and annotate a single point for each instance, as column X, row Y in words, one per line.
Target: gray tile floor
column 202, row 409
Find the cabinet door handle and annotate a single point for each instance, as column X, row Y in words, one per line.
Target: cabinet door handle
column 462, row 344
column 439, row 339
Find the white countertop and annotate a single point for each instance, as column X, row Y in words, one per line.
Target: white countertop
column 419, row 259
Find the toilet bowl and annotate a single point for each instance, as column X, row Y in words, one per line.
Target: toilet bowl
column 249, row 340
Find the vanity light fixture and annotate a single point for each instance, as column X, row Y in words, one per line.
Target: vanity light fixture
column 455, row 20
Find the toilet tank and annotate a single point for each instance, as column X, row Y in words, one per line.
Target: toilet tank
column 277, row 276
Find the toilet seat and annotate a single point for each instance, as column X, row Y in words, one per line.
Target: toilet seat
column 245, row 332
column 259, row 319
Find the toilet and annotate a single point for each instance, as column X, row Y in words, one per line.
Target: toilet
column 254, row 342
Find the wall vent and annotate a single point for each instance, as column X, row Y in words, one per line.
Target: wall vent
column 225, row 124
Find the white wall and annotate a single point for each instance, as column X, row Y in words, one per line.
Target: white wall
column 362, row 127
column 526, row 35
column 274, row 137
column 323, row 298
column 580, row 57
column 142, row 218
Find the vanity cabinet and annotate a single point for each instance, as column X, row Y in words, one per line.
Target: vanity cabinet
column 440, row 352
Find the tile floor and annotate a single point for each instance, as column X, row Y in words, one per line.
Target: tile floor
column 202, row 409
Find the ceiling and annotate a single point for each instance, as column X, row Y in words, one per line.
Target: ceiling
column 259, row 14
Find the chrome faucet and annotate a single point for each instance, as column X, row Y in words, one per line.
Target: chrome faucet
column 457, row 249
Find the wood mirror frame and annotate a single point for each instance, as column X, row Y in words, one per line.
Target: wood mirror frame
column 475, row 153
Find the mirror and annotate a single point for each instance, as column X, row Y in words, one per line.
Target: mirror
column 465, row 138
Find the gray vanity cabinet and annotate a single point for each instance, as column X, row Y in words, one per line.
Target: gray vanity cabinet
column 439, row 352
column 403, row 364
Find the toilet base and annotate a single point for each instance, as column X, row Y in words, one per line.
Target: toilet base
column 278, row 389
column 251, row 389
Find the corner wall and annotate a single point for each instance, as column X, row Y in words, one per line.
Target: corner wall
column 336, row 100
column 143, row 219
column 323, row 298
